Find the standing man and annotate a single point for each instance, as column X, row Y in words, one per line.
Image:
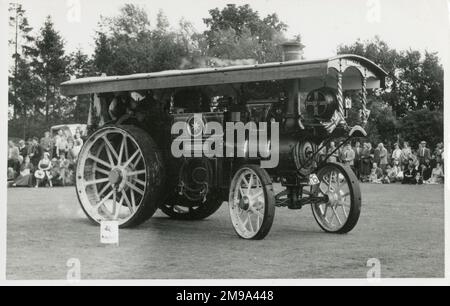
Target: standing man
column 348, row 157
column 35, row 153
column 396, row 154
column 439, row 152
column 366, row 160
column 47, row 144
column 29, row 145
column 333, row 157
column 23, row 149
column 406, row 154
column 13, row 157
column 358, row 152
column 61, row 144
column 383, row 157
column 423, row 153
column 376, row 155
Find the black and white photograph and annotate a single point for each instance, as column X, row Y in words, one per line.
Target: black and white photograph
column 286, row 142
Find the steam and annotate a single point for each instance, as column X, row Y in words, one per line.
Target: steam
column 211, row 62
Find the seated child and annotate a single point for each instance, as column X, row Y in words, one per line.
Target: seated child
column 409, row 175
column 376, row 174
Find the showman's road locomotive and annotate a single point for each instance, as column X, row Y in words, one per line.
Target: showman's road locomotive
column 245, row 127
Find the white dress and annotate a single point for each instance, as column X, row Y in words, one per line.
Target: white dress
column 77, row 147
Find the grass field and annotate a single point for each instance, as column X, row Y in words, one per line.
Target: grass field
column 402, row 226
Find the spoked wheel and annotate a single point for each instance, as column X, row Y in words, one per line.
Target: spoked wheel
column 119, row 176
column 252, row 202
column 179, row 208
column 339, row 186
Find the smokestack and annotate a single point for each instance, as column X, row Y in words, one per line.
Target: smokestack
column 292, row 51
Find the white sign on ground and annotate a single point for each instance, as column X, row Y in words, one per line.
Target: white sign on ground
column 109, row 232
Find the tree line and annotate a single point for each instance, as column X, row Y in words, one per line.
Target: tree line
column 411, row 106
column 129, row 43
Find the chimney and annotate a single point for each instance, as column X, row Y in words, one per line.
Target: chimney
column 292, row 51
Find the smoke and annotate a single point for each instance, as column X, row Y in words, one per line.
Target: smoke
column 217, row 62
column 211, row 62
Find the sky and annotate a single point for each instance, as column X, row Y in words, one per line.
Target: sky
column 323, row 24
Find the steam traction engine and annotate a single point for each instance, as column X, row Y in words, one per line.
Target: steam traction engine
column 127, row 168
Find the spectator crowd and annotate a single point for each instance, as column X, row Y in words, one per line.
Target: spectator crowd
column 381, row 165
column 49, row 161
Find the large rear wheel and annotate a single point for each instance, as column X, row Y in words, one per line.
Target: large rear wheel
column 119, row 176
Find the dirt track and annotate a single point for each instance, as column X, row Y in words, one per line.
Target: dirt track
column 46, row 228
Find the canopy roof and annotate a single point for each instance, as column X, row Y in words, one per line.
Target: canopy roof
column 301, row 69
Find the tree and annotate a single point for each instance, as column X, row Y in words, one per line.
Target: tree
column 421, row 125
column 103, row 57
column 229, row 45
column 232, row 17
column 20, row 41
column 410, row 107
column 49, row 63
column 383, row 125
column 80, row 66
column 162, row 23
column 243, row 17
column 27, row 92
column 126, row 44
column 25, row 88
column 132, row 21
column 238, row 32
column 414, row 81
column 431, row 83
column 376, row 50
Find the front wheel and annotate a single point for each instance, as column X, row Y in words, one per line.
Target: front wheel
column 252, row 202
column 339, row 212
